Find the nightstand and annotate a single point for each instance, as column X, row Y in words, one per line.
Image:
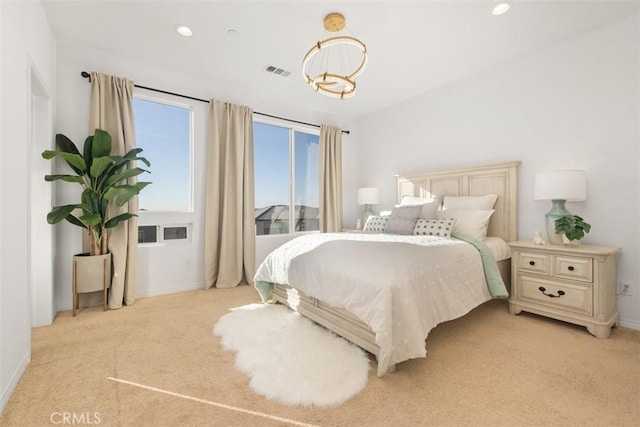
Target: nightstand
column 573, row 284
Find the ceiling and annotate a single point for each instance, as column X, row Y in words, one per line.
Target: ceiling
column 414, row 46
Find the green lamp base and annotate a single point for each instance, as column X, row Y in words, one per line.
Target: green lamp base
column 368, row 211
column 558, row 210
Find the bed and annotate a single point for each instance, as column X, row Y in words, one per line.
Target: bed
column 321, row 270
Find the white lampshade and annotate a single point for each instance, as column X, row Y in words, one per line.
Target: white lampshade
column 368, row 196
column 569, row 185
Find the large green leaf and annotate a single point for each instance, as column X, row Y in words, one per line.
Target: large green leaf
column 100, row 164
column 142, row 184
column 59, row 213
column 75, row 161
column 67, row 178
column 90, row 201
column 101, row 144
column 121, row 194
column 128, row 173
column 91, row 219
column 49, row 154
column 131, row 156
column 86, row 151
column 118, row 219
column 65, row 145
column 119, row 162
column 75, row 221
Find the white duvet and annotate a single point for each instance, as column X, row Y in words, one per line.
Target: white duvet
column 401, row 286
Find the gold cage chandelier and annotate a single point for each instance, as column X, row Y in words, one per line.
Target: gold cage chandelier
column 328, row 66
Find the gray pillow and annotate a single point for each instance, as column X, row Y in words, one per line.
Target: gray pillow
column 403, row 219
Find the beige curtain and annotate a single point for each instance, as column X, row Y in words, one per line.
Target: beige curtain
column 230, row 215
column 112, row 110
column 330, row 179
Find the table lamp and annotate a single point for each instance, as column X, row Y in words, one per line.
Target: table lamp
column 559, row 187
column 368, row 196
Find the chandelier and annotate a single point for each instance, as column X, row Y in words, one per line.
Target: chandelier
column 329, row 66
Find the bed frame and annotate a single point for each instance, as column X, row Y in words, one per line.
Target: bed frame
column 500, row 179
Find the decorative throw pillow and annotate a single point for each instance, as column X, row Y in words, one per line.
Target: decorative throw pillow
column 470, row 222
column 429, row 206
column 403, row 219
column 434, row 227
column 470, row 202
column 376, row 224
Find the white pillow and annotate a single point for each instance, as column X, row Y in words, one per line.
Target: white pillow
column 470, row 202
column 429, row 206
column 470, row 222
column 434, row 227
column 376, row 224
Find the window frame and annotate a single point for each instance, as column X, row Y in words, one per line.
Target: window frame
column 188, row 106
column 292, row 127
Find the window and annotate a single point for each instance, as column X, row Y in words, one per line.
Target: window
column 286, row 179
column 163, row 131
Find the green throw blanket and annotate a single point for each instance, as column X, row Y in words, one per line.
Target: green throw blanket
column 495, row 283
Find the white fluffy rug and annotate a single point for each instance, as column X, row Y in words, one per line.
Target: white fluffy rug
column 291, row 359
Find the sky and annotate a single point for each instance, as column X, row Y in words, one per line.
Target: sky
column 271, row 158
column 162, row 131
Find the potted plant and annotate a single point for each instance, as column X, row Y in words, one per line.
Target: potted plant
column 572, row 228
column 103, row 179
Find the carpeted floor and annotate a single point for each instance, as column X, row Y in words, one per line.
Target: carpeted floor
column 157, row 363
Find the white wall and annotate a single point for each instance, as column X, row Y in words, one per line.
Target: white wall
column 571, row 105
column 26, row 44
column 172, row 267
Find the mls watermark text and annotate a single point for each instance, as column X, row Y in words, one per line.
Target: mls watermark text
column 75, row 418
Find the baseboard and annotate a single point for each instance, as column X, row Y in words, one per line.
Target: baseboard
column 628, row 323
column 13, row 382
column 65, row 305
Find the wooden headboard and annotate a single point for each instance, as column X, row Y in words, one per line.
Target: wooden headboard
column 499, row 178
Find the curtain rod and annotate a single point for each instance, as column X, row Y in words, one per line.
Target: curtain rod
column 88, row 76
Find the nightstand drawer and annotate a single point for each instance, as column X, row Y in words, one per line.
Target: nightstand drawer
column 565, row 296
column 535, row 262
column 573, row 268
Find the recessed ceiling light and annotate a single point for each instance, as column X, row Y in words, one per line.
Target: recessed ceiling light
column 184, row 30
column 231, row 32
column 500, row 8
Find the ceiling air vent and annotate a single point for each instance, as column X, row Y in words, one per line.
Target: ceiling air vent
column 278, row 71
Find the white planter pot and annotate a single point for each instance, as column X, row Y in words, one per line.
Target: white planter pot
column 91, row 274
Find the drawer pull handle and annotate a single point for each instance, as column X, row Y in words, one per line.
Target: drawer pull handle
column 542, row 289
column 532, row 263
column 570, row 268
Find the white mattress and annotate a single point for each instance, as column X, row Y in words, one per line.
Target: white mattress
column 499, row 248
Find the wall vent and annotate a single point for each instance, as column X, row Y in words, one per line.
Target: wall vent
column 147, row 234
column 278, row 71
column 175, row 233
